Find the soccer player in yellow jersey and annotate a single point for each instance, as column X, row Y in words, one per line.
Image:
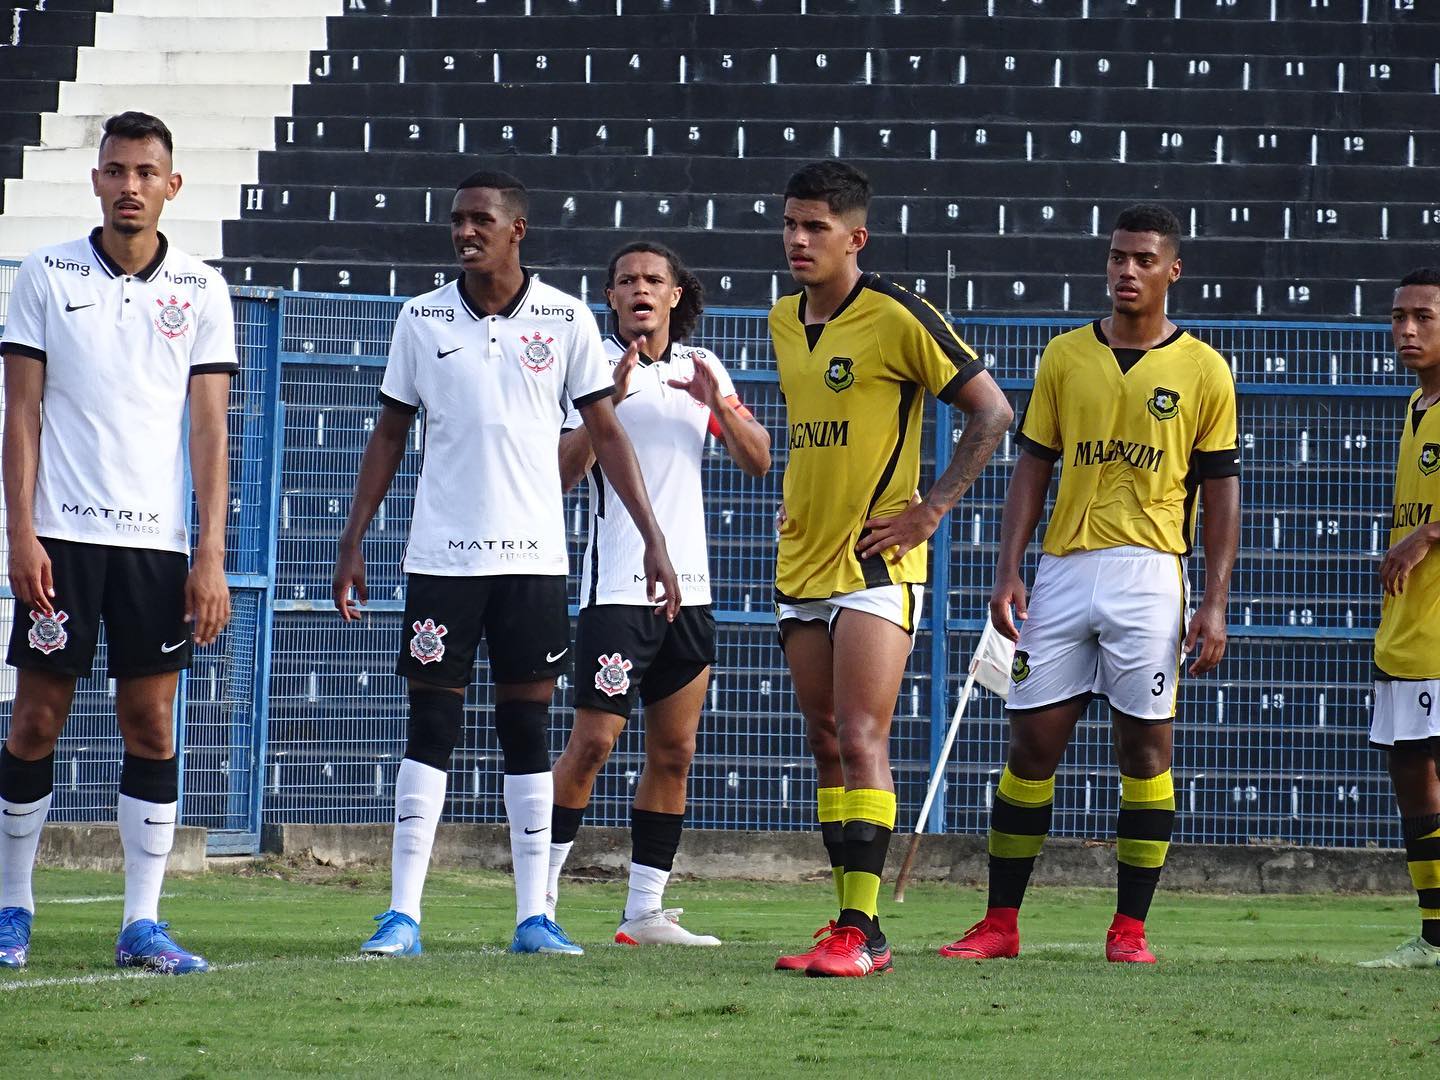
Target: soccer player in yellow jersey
column 856, row 356
column 1407, row 645
column 1141, row 417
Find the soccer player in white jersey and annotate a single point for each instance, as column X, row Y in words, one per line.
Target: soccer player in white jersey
column 670, row 395
column 1407, row 646
column 492, row 358
column 111, row 336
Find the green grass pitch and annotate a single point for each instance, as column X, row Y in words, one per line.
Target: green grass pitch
column 1246, row 986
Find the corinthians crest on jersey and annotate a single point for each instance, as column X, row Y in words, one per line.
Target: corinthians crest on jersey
column 173, row 318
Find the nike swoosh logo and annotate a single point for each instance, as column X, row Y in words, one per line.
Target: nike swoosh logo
column 532, row 832
column 440, row 355
column 77, row 307
column 171, row 648
column 26, row 813
column 411, row 817
column 551, row 659
column 149, row 822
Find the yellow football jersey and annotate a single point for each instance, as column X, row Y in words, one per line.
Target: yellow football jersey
column 854, row 403
column 1135, row 433
column 1407, row 645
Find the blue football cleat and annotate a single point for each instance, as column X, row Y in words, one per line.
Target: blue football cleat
column 398, row 935
column 539, row 934
column 145, row 944
column 14, row 937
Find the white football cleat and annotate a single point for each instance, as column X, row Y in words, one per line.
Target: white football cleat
column 660, row 928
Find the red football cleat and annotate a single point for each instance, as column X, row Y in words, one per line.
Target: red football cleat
column 800, row 961
column 1125, row 942
column 988, row 939
column 847, row 952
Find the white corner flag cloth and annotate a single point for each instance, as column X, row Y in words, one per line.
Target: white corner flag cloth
column 991, row 663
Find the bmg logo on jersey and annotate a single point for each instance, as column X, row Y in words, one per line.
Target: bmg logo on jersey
column 1429, row 458
column 83, row 269
column 1164, row 404
column 840, row 374
column 419, row 311
column 545, row 312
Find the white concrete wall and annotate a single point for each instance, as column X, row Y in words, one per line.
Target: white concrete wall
column 218, row 80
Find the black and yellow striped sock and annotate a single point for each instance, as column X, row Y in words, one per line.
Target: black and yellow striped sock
column 1019, row 823
column 1422, row 856
column 869, row 821
column 1142, row 840
column 831, row 812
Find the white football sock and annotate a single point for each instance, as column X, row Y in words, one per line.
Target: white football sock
column 419, row 799
column 647, row 889
column 20, row 825
column 147, row 832
column 529, row 799
column 558, row 854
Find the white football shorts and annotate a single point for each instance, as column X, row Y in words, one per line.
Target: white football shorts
column 1108, row 623
column 899, row 604
column 1406, row 710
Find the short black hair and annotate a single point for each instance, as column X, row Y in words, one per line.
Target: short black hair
column 1147, row 217
column 686, row 314
column 1422, row 275
column 512, row 191
column 137, row 125
column 842, row 187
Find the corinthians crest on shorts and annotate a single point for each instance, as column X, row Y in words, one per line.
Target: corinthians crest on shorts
column 538, row 356
column 48, row 633
column 613, row 678
column 173, row 319
column 428, row 644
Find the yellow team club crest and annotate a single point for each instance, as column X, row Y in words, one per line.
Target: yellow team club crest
column 840, row 374
column 1163, row 404
column 1429, row 458
column 1020, row 666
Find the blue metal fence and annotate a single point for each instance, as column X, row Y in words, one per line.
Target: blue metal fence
column 296, row 717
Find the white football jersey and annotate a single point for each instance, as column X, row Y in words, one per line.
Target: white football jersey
column 494, row 388
column 667, row 428
column 119, row 350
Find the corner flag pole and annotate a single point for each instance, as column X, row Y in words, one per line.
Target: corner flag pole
column 990, row 666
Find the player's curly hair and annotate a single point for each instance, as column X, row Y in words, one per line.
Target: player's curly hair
column 685, row 316
column 1147, row 217
column 1422, row 275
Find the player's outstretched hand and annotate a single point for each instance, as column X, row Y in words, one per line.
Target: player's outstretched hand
column 662, row 587
column 347, row 587
column 905, row 531
column 626, row 367
column 207, row 599
column 1009, row 592
column 702, row 386
column 30, row 574
column 1399, row 561
column 1207, row 629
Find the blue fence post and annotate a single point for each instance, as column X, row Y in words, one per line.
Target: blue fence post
column 939, row 611
column 264, row 633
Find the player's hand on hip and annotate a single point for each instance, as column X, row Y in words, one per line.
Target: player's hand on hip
column 1207, row 629
column 702, row 386
column 1009, row 592
column 903, row 532
column 662, row 586
column 207, row 599
column 1400, row 560
column 30, row 574
column 626, row 367
column 347, row 587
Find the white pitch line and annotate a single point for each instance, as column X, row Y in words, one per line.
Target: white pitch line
column 94, row 899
